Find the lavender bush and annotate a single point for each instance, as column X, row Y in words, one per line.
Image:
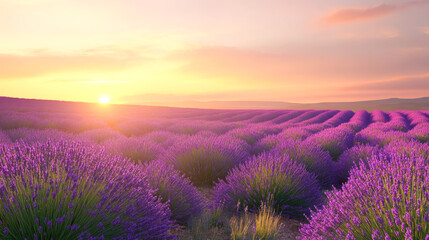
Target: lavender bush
column 30, row 135
column 163, row 138
column 205, row 160
column 315, row 159
column 353, row 157
column 250, row 134
column 420, row 132
column 334, row 140
column 269, row 178
column 4, row 138
column 101, row 134
column 182, row 197
column 388, row 199
column 408, row 148
column 71, row 191
column 381, row 138
column 379, row 116
column 137, row 149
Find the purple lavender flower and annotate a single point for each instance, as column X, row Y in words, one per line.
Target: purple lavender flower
column 269, row 178
column 334, row 140
column 381, row 196
column 4, row 139
column 183, row 198
column 315, row 159
column 420, row 132
column 47, row 176
column 205, row 160
column 352, row 157
column 138, row 149
column 408, row 148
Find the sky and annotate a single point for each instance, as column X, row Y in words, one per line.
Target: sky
column 165, row 51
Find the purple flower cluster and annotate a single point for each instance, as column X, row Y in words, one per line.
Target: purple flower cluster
column 137, row 127
column 417, row 117
column 287, row 116
column 334, row 140
column 297, row 133
column 205, row 160
column 249, row 134
column 341, row 117
column 267, row 116
column 320, row 118
column 173, row 188
column 398, row 121
column 420, row 132
column 386, row 198
column 408, row 148
column 29, row 135
column 4, row 138
column 67, row 190
column 353, row 157
column 138, row 149
column 163, row 138
column 379, row 116
column 275, row 179
column 306, row 116
column 373, row 136
column 313, row 157
column 100, row 135
column 359, row 121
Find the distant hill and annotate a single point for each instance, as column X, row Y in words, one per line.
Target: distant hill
column 390, row 104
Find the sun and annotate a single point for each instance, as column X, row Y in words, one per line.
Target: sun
column 104, row 99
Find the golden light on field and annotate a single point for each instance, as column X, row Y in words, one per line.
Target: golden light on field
column 104, row 99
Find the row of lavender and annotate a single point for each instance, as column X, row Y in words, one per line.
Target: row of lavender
column 288, row 158
column 218, row 121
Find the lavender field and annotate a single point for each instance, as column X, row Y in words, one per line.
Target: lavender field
column 171, row 173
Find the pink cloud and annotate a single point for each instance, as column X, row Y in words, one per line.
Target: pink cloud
column 355, row 14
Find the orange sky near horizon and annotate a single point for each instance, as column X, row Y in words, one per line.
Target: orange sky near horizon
column 163, row 51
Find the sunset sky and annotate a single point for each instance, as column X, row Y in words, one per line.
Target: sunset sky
column 152, row 51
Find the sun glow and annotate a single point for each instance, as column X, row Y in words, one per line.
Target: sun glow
column 104, row 99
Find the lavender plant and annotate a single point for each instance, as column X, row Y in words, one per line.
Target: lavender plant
column 287, row 116
column 30, row 135
column 163, row 138
column 420, row 132
column 297, row 133
column 182, row 197
column 249, row 134
column 205, row 160
column 408, row 148
column 4, row 138
column 379, row 116
column 398, row 121
column 387, row 198
column 269, row 178
column 137, row 149
column 101, row 134
column 68, row 190
column 417, row 117
column 339, row 118
column 353, row 157
column 334, row 140
column 381, row 138
column 315, row 159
